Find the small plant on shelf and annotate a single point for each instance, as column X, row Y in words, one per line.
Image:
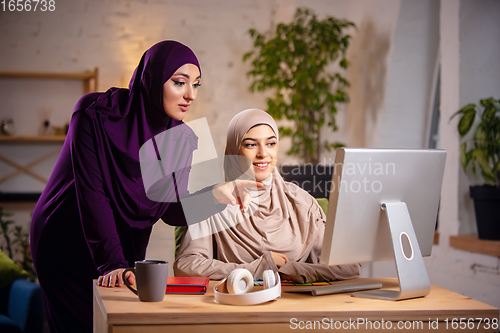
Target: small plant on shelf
column 483, row 151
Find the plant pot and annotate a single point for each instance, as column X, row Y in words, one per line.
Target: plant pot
column 487, row 207
column 314, row 178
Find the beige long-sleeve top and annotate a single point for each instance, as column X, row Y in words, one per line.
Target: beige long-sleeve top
column 295, row 228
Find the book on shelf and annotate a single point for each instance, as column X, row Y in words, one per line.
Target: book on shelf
column 189, row 285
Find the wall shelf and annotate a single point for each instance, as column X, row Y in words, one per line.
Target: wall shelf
column 436, row 238
column 89, row 78
column 4, row 139
column 472, row 243
column 19, row 197
column 32, row 139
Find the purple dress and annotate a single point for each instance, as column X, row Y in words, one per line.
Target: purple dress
column 94, row 215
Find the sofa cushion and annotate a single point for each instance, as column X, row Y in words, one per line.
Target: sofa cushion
column 9, row 270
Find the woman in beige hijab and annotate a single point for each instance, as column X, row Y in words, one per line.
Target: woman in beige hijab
column 282, row 222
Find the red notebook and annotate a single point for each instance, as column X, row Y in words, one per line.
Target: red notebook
column 189, row 285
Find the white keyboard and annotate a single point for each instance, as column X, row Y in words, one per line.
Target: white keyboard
column 335, row 288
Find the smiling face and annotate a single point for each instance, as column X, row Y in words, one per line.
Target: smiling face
column 260, row 145
column 180, row 91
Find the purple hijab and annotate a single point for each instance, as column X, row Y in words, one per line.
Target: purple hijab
column 125, row 119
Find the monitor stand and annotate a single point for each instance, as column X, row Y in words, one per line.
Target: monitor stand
column 412, row 275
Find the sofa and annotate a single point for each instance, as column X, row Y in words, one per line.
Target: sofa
column 21, row 306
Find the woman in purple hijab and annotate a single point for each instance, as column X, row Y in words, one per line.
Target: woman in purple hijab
column 94, row 217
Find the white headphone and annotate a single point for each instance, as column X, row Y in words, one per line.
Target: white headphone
column 240, row 282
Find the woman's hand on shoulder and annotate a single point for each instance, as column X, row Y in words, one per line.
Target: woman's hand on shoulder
column 114, row 278
column 235, row 192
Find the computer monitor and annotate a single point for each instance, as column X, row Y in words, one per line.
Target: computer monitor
column 383, row 205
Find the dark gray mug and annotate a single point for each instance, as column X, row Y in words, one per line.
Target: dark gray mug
column 151, row 279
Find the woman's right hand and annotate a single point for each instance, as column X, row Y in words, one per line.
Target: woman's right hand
column 235, row 192
column 279, row 258
column 115, row 278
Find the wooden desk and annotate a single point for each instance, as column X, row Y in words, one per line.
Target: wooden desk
column 119, row 310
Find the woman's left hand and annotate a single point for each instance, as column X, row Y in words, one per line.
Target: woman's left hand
column 235, row 192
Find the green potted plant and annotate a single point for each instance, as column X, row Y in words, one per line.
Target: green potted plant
column 18, row 245
column 483, row 151
column 297, row 63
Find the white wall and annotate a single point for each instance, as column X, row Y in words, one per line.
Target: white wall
column 414, row 55
column 392, row 57
column 402, row 119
